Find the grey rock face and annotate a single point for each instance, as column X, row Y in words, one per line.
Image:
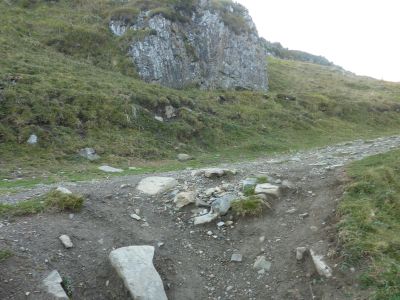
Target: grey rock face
column 135, row 266
column 89, row 153
column 202, row 52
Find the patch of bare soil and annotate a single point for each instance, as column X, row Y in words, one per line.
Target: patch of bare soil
column 193, row 261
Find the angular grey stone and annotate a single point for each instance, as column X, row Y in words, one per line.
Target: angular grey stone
column 213, row 172
column 184, row 198
column 155, row 185
column 320, row 265
column 89, row 153
column 135, row 266
column 66, row 241
column 184, row 157
column 261, row 263
column 300, row 251
column 109, row 169
column 207, row 218
column 222, row 205
column 52, row 284
column 267, row 189
column 236, row 257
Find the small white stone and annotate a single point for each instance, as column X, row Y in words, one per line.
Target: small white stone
column 236, row 257
column 135, row 217
column 210, row 233
column 63, row 190
column 220, row 224
column 66, row 241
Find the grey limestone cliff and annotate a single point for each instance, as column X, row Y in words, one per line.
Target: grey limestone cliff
column 202, row 51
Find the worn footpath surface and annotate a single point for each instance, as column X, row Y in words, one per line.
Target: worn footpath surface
column 194, row 262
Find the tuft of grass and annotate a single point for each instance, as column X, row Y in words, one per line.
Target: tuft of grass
column 251, row 206
column 4, row 254
column 262, row 179
column 53, row 201
column 370, row 225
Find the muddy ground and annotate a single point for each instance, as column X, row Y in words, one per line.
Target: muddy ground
column 192, row 263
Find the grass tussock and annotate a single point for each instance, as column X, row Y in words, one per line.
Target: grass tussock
column 249, row 207
column 4, row 254
column 370, row 224
column 54, row 201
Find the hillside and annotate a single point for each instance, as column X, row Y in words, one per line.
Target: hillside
column 66, row 78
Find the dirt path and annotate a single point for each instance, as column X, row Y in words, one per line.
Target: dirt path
column 193, row 263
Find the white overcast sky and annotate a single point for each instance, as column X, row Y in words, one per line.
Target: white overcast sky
column 363, row 36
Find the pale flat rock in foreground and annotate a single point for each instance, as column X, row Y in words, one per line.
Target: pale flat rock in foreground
column 184, row 198
column 267, row 189
column 109, row 169
column 52, row 283
column 320, row 265
column 156, row 185
column 135, row 266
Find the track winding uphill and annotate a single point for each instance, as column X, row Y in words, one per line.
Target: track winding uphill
column 230, row 257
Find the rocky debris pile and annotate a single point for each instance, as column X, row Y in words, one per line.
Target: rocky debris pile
column 134, row 265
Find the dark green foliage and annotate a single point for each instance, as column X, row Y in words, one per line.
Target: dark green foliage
column 251, row 206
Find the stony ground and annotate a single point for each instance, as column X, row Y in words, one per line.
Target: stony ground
column 194, row 261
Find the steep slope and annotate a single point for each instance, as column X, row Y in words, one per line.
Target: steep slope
column 66, row 78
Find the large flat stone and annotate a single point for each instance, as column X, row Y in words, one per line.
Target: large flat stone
column 135, row 266
column 156, row 185
column 267, row 189
column 52, row 284
column 109, row 169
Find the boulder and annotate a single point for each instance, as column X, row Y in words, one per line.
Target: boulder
column 184, row 198
column 300, row 251
column 320, row 265
column 267, row 189
column 184, row 157
column 109, row 169
column 134, row 265
column 52, row 284
column 89, row 153
column 156, row 185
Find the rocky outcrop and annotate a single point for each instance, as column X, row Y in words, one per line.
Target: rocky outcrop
column 211, row 48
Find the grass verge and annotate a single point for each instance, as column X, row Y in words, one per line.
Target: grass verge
column 370, row 223
column 53, row 201
column 249, row 207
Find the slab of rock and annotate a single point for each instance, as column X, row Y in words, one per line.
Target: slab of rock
column 135, row 267
column 89, row 153
column 33, row 139
column 159, row 119
column 184, row 198
column 300, row 251
column 236, row 257
column 63, row 190
column 267, row 189
column 207, row 218
column 66, row 241
column 155, row 185
column 320, row 265
column 222, row 205
column 109, row 169
column 52, row 284
column 261, row 263
column 184, row 157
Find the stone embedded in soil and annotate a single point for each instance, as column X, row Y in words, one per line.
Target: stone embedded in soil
column 109, row 169
column 135, row 217
column 134, row 265
column 261, row 263
column 183, row 199
column 155, row 185
column 222, row 205
column 267, row 189
column 66, row 241
column 52, row 283
column 184, row 157
column 320, row 265
column 300, row 251
column 236, row 257
column 207, row 218
column 214, row 172
column 63, row 190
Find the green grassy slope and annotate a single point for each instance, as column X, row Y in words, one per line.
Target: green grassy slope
column 370, row 223
column 66, row 78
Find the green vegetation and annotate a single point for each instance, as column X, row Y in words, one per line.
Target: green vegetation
column 251, row 206
column 67, row 79
column 4, row 254
column 54, row 201
column 370, row 224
